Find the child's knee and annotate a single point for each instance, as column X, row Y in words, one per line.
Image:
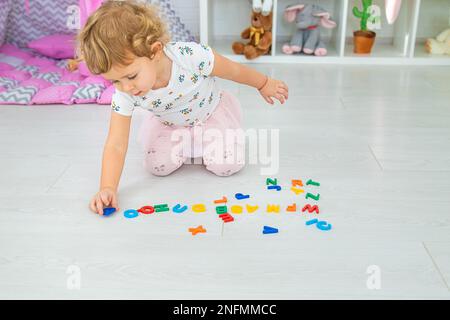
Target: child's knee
column 226, row 163
column 224, row 169
column 161, row 166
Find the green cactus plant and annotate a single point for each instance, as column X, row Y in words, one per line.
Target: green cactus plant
column 364, row 15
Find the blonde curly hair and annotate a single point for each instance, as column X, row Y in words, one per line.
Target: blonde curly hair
column 118, row 30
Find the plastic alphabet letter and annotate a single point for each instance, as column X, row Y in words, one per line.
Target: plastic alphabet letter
column 310, row 195
column 221, row 209
column 323, row 225
column 241, row 196
column 236, row 209
column 226, row 217
column 251, row 209
column 130, row 213
column 199, row 229
column 177, row 209
column 310, row 182
column 146, row 210
column 269, row 230
column 296, row 183
column 223, row 200
column 199, row 207
column 273, row 208
column 297, row 191
column 311, row 208
column 292, row 208
column 108, row 211
column 310, row 222
column 161, row 207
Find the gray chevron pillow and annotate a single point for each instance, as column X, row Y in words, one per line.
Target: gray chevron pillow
column 33, row 70
column 88, row 93
column 52, row 77
column 5, row 8
column 18, row 95
column 8, row 83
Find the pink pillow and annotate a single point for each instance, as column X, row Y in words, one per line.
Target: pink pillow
column 72, row 76
column 97, row 80
column 38, row 83
column 54, row 94
column 106, row 96
column 83, row 69
column 5, row 66
column 40, row 62
column 15, row 75
column 56, row 69
column 13, row 51
column 58, row 46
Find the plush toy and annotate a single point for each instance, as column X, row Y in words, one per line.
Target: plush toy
column 440, row 45
column 307, row 18
column 263, row 6
column 259, row 35
column 392, row 10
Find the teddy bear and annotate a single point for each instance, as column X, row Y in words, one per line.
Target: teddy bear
column 440, row 45
column 259, row 34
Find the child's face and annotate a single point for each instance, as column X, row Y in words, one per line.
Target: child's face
column 136, row 79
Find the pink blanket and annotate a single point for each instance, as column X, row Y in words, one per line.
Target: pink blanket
column 29, row 79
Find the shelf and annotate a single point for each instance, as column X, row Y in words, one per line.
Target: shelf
column 427, row 58
column 333, row 38
column 332, row 51
column 385, row 54
column 433, row 18
column 223, row 46
column 402, row 43
column 379, row 50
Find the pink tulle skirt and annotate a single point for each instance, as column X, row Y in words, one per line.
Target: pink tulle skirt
column 226, row 115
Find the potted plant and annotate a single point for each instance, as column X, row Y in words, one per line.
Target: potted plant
column 363, row 39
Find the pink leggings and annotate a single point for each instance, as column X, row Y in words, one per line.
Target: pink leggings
column 220, row 141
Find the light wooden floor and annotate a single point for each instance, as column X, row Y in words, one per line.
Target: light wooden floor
column 376, row 138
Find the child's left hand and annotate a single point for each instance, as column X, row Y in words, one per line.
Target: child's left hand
column 274, row 89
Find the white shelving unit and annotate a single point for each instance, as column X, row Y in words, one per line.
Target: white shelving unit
column 222, row 21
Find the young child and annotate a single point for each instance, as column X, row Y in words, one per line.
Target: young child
column 127, row 43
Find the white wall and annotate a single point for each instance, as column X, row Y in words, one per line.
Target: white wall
column 228, row 18
column 433, row 18
column 188, row 11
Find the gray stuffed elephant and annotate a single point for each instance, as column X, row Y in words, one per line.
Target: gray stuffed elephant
column 307, row 18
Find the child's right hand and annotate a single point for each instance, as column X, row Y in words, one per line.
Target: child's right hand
column 107, row 197
column 274, row 89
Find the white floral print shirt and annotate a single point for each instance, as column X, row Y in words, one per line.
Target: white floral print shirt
column 191, row 95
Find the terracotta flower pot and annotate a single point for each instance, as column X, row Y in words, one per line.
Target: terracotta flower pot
column 363, row 41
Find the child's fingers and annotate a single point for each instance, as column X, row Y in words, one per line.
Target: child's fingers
column 99, row 206
column 280, row 98
column 283, row 85
column 92, row 206
column 105, row 199
column 284, row 92
column 114, row 202
column 269, row 100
